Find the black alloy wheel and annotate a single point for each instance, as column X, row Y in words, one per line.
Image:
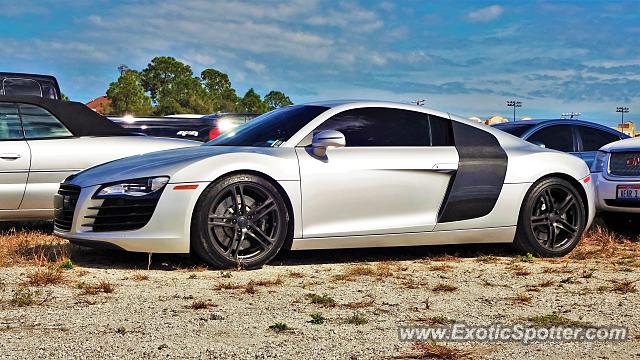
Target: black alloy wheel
column 241, row 221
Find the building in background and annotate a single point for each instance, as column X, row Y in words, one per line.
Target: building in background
column 628, row 128
column 496, row 119
column 100, row 105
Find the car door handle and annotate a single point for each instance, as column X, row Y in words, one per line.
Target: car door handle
column 445, row 167
column 10, row 156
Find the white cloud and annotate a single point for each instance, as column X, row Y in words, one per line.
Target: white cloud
column 486, row 14
column 256, row 67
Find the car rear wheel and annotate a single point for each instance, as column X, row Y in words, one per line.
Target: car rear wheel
column 239, row 221
column 552, row 219
column 622, row 223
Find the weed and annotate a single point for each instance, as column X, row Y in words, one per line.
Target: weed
column 324, row 300
column 192, row 276
column 295, row 274
column 360, row 304
column 316, row 319
column 357, row 319
column 226, row 274
column 121, row 330
column 442, row 267
column 528, row 258
column 66, row 264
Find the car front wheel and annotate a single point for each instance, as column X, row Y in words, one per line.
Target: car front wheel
column 239, row 221
column 552, row 219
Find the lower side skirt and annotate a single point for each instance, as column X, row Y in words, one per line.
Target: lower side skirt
column 470, row 236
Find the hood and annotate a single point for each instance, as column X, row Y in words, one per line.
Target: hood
column 631, row 144
column 165, row 162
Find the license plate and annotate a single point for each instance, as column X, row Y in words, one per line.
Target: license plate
column 629, row 192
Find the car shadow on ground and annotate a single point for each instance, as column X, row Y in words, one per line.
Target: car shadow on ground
column 114, row 259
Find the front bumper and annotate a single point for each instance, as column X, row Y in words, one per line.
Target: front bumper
column 168, row 229
column 606, row 194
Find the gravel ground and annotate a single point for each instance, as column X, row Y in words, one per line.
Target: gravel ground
column 180, row 309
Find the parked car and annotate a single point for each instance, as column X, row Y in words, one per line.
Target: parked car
column 577, row 137
column 29, row 84
column 616, row 175
column 42, row 141
column 203, row 128
column 333, row 175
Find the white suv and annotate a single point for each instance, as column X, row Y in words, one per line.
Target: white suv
column 616, row 175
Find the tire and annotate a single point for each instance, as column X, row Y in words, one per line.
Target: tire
column 247, row 232
column 622, row 223
column 552, row 219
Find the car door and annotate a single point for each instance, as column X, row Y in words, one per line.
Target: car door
column 556, row 137
column 391, row 177
column 15, row 158
column 591, row 139
column 54, row 156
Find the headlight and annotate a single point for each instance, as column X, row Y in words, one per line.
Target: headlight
column 135, row 187
column 598, row 163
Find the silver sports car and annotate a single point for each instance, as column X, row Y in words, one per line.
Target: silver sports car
column 42, row 141
column 333, row 175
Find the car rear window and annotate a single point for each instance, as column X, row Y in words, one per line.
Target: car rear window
column 514, row 129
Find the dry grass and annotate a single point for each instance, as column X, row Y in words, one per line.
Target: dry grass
column 624, row 287
column 45, row 276
column 251, row 286
column 31, row 248
column 200, row 304
column 519, row 270
column 443, row 267
column 295, row 274
column 271, row 282
column 360, row 304
column 444, row 288
column 352, row 272
column 521, row 299
column 601, row 243
column 139, row 277
column 435, row 320
column 103, row 286
column 424, row 350
column 447, row 258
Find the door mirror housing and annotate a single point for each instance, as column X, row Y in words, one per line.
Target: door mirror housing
column 327, row 139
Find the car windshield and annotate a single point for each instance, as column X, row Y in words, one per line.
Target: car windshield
column 270, row 129
column 514, row 129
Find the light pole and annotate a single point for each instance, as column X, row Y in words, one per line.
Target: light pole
column 571, row 115
column 515, row 104
column 622, row 110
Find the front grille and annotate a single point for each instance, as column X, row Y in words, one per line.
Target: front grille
column 118, row 214
column 64, row 206
column 625, row 164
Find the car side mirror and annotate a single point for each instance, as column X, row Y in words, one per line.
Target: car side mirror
column 539, row 143
column 327, row 139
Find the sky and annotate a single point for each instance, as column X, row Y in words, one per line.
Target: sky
column 463, row 57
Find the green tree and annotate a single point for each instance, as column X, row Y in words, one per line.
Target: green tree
column 251, row 102
column 276, row 99
column 219, row 90
column 173, row 87
column 127, row 95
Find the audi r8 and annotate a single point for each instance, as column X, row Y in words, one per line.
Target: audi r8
column 343, row 174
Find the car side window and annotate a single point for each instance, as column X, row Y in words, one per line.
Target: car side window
column 380, row 127
column 38, row 123
column 557, row 137
column 10, row 126
column 594, row 139
column 440, row 131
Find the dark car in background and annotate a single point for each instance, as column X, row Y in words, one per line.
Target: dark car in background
column 204, row 128
column 45, row 86
column 580, row 138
